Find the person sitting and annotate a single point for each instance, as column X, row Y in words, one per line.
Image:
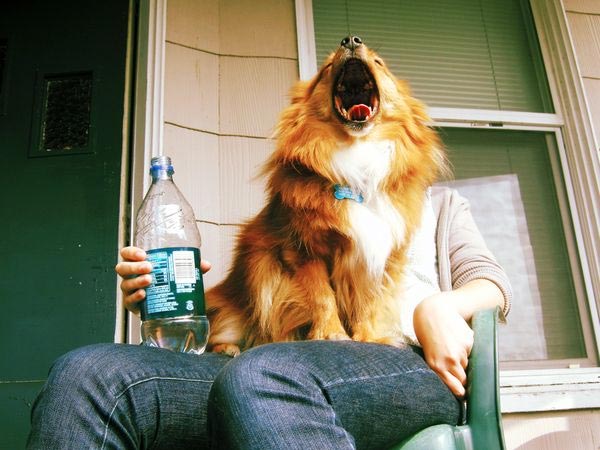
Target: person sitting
column 305, row 394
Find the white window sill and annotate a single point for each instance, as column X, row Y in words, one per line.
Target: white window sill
column 549, row 390
column 493, row 118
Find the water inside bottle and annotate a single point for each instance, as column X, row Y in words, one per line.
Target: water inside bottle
column 180, row 334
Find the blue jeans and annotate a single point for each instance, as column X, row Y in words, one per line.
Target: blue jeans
column 299, row 395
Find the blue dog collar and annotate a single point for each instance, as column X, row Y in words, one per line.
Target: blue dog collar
column 342, row 192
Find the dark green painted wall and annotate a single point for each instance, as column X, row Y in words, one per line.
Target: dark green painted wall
column 60, row 202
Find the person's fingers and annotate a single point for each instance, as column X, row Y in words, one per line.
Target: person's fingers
column 453, row 383
column 459, row 373
column 469, row 341
column 133, row 285
column 129, row 269
column 133, row 254
column 134, row 292
column 132, row 301
column 128, row 285
column 464, row 360
column 452, row 373
column 205, row 266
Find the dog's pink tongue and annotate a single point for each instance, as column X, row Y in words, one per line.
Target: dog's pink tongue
column 359, row 112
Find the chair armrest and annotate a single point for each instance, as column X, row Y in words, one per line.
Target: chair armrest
column 484, row 421
column 483, row 391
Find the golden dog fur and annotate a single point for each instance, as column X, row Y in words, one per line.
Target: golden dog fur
column 309, row 265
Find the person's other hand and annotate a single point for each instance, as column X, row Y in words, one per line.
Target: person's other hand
column 446, row 339
column 135, row 273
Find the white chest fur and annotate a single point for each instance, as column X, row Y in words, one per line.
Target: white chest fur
column 375, row 225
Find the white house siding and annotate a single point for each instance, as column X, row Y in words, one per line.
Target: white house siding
column 583, row 17
column 564, row 430
column 229, row 66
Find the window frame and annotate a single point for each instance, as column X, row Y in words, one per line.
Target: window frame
column 539, row 389
column 147, row 132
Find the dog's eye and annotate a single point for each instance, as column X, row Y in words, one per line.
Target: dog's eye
column 378, row 61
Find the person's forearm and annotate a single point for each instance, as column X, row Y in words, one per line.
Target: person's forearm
column 476, row 295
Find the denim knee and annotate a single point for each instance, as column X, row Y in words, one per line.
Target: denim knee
column 90, row 367
column 331, row 394
column 67, row 398
column 263, row 368
column 245, row 407
column 123, row 396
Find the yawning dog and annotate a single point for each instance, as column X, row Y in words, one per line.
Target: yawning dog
column 324, row 259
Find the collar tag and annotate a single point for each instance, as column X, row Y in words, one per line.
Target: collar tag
column 341, row 192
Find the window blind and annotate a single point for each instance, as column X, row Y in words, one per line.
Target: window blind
column 455, row 53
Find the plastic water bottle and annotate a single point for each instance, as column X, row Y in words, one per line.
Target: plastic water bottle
column 173, row 314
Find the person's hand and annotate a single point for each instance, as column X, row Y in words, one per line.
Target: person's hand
column 446, row 339
column 135, row 272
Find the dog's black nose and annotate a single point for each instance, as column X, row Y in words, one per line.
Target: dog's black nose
column 351, row 42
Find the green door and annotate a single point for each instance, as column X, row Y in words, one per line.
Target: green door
column 62, row 96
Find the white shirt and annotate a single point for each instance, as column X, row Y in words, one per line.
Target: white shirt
column 421, row 275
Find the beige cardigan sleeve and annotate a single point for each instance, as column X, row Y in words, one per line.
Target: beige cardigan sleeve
column 461, row 251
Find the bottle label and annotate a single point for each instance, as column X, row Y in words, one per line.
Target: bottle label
column 177, row 288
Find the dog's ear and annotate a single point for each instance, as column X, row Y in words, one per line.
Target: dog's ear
column 298, row 92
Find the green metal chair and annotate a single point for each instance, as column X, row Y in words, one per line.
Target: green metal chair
column 483, row 427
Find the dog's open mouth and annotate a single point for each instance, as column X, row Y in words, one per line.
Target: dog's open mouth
column 355, row 92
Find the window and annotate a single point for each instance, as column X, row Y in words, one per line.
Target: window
column 478, row 65
column 514, row 182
